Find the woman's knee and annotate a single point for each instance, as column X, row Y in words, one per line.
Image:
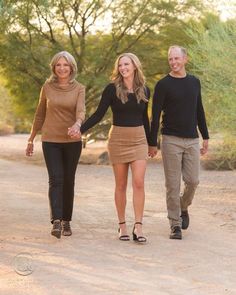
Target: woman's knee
column 121, row 186
column 138, row 184
column 56, row 180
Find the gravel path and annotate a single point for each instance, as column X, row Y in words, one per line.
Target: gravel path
column 93, row 260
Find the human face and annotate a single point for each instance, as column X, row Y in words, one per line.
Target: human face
column 126, row 67
column 177, row 61
column 62, row 69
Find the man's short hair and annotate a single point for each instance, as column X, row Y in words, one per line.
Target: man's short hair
column 183, row 50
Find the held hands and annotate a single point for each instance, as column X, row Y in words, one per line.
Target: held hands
column 152, row 151
column 74, row 131
column 204, row 148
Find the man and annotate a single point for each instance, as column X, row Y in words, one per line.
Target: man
column 178, row 97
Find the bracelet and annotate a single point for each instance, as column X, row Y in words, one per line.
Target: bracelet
column 78, row 124
column 30, row 142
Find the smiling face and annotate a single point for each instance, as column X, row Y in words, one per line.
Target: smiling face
column 126, row 67
column 177, row 61
column 62, row 69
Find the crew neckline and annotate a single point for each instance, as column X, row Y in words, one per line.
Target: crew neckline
column 178, row 77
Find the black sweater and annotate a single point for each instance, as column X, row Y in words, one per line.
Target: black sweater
column 129, row 114
column 180, row 101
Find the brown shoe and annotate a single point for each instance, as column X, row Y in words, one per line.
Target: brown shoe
column 66, row 229
column 56, row 229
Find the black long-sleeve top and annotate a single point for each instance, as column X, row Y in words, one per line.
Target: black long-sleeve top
column 129, row 114
column 180, row 101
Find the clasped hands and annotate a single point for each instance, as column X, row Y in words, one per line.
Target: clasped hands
column 152, row 151
column 74, row 131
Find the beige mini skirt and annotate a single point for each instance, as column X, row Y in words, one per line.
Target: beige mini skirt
column 127, row 144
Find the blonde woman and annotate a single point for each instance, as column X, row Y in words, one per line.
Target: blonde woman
column 128, row 97
column 59, row 115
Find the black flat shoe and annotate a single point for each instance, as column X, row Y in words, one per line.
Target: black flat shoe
column 176, row 233
column 123, row 237
column 138, row 239
column 185, row 219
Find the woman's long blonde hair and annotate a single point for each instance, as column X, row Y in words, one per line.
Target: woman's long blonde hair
column 71, row 61
column 138, row 83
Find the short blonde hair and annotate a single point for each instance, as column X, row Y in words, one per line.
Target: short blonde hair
column 139, row 79
column 71, row 61
column 182, row 49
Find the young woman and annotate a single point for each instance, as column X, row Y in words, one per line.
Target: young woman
column 128, row 97
column 59, row 115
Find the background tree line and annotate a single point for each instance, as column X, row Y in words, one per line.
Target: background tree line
column 213, row 59
column 31, row 32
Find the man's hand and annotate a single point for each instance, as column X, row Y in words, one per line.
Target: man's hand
column 204, row 148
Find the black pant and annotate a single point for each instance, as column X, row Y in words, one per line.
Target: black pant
column 61, row 161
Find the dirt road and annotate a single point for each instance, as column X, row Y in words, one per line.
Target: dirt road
column 93, row 260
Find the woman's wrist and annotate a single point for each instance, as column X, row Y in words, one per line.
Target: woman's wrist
column 78, row 124
column 30, row 141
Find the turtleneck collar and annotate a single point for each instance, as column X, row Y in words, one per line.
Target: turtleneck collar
column 65, row 88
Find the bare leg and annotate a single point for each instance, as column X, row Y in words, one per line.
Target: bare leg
column 121, row 178
column 138, row 169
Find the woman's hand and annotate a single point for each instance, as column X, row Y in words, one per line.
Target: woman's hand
column 74, row 131
column 29, row 149
column 152, row 151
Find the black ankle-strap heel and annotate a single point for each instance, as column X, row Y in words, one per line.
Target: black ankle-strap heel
column 139, row 239
column 123, row 237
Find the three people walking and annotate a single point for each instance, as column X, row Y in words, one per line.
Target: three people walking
column 60, row 115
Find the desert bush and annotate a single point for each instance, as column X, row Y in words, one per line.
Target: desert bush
column 222, row 155
column 5, row 129
column 213, row 60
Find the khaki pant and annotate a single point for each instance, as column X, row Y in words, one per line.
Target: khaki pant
column 180, row 157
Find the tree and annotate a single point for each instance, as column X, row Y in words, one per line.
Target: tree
column 32, row 31
column 6, row 117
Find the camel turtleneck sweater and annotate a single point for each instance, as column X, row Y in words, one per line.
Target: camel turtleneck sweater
column 58, row 109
